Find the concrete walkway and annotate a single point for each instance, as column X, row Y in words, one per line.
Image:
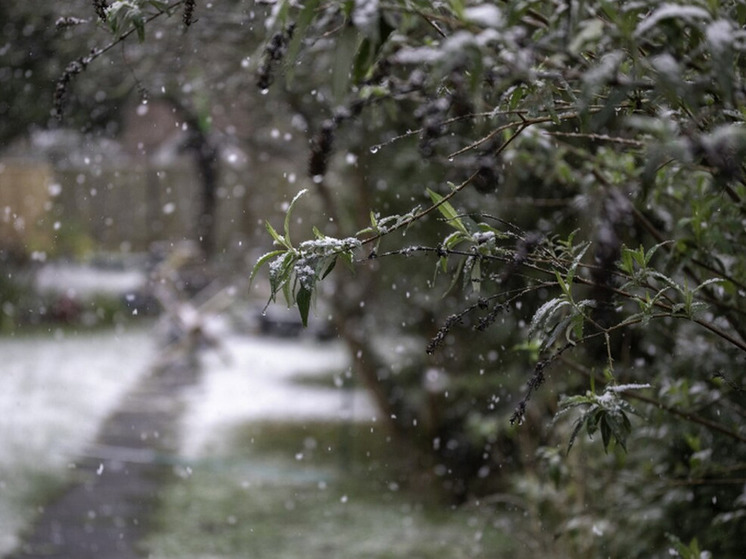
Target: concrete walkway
column 105, row 512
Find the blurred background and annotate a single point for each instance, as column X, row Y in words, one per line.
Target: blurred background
column 134, row 191
column 135, row 220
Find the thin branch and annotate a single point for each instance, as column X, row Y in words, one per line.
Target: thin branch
column 525, row 123
column 536, row 380
column 599, row 138
column 452, row 120
column 432, row 24
column 719, row 332
column 447, row 197
column 80, row 64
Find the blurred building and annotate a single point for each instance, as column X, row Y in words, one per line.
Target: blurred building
column 67, row 193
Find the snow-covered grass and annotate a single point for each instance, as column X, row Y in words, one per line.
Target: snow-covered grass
column 272, row 469
column 54, row 392
column 277, row 469
column 251, row 379
column 316, row 489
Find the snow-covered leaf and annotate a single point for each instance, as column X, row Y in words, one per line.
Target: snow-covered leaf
column 689, row 14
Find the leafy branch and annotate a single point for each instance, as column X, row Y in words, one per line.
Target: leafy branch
column 124, row 19
column 295, row 271
column 657, row 404
column 606, row 412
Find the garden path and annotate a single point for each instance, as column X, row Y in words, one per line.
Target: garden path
column 104, row 512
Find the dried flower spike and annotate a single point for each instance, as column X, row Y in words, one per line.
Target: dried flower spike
column 100, row 6
column 73, row 69
column 188, row 16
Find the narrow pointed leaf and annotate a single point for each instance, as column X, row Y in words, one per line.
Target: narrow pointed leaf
column 263, row 260
column 303, row 300
column 289, row 213
column 448, row 211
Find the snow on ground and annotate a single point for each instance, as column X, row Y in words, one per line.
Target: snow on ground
column 85, row 281
column 54, row 392
column 253, row 381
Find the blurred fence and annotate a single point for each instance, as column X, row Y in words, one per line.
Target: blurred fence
column 112, row 206
column 24, row 202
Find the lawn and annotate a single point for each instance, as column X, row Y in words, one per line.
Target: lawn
column 315, row 490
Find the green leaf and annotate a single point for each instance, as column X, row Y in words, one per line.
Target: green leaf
column 279, row 274
column 329, row 268
column 575, row 431
column 363, row 61
column 349, row 259
column 158, row 5
column 279, row 239
column 652, row 250
column 708, row 282
column 691, row 551
column 561, row 283
column 626, row 263
column 301, row 27
column 455, row 277
column 448, row 211
column 458, row 8
column 452, row 240
column 606, row 431
column 576, row 327
column 123, row 16
column 545, row 313
column 476, row 275
column 289, row 213
column 139, row 26
column 516, row 97
column 303, row 300
column 346, row 46
column 263, row 260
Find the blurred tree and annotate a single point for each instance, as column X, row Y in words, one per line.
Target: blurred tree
column 572, row 174
column 48, row 47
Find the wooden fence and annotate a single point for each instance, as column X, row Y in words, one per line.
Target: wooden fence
column 70, row 211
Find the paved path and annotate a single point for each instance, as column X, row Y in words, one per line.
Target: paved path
column 105, row 512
